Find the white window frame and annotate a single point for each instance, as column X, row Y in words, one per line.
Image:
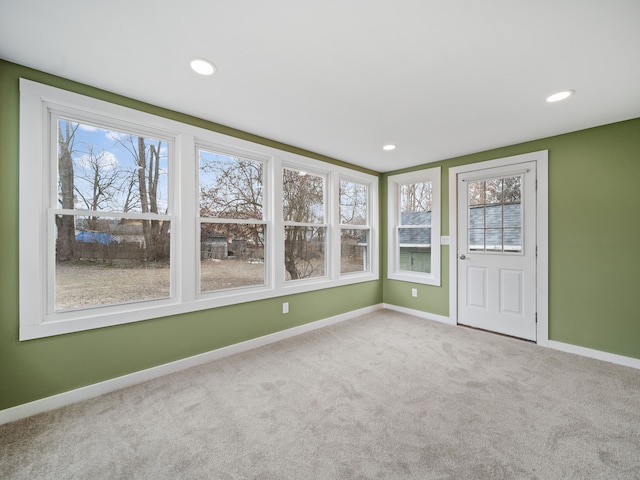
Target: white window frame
column 348, row 226
column 37, row 235
column 324, row 224
column 394, row 182
column 265, row 220
column 54, row 113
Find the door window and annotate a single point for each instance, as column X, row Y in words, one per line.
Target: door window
column 495, row 215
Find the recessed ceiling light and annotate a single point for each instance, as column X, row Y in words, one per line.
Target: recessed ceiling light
column 202, row 66
column 556, row 97
column 389, row 147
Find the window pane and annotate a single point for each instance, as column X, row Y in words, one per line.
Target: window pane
column 416, row 197
column 303, row 197
column 513, row 215
column 414, row 236
column 230, row 187
column 493, row 191
column 113, row 260
column 494, row 239
column 476, row 240
column 494, row 216
column 354, row 247
column 415, row 259
column 476, row 217
column 107, row 170
column 304, row 249
column 353, row 203
column 415, row 218
column 415, row 249
column 476, row 193
column 231, row 255
column 512, row 239
column 512, row 189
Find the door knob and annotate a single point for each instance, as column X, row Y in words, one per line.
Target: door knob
column 462, row 256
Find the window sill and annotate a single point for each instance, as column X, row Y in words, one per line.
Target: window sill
column 122, row 314
column 415, row 278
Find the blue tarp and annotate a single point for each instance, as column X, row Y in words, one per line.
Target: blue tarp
column 95, row 237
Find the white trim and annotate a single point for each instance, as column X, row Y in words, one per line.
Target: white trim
column 597, row 354
column 73, row 396
column 419, row 313
column 542, row 265
column 394, row 182
column 542, row 234
column 563, row 347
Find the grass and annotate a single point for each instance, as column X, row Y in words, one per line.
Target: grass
column 86, row 284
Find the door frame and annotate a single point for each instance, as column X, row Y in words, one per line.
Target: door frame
column 542, row 234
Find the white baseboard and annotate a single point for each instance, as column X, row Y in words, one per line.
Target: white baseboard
column 597, row 354
column 97, row 389
column 419, row 313
column 564, row 347
column 84, row 393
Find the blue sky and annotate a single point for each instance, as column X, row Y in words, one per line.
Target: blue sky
column 100, row 151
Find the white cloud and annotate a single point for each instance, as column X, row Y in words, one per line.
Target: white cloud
column 104, row 160
column 88, row 128
column 115, row 136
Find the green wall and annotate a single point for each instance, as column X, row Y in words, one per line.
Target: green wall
column 594, row 269
column 40, row 368
column 594, row 237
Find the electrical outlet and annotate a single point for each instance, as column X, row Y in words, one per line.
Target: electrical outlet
column 414, row 292
column 285, row 307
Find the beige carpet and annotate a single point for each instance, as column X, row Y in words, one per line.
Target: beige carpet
column 384, row 396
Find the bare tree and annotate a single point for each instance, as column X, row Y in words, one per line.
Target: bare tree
column 147, row 159
column 353, row 211
column 495, row 191
column 97, row 182
column 303, row 202
column 511, row 189
column 132, row 197
column 65, row 223
column 416, row 197
column 353, row 203
column 234, row 190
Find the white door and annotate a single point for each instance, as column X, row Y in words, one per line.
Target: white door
column 497, row 249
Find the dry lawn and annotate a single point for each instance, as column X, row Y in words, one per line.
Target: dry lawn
column 231, row 273
column 90, row 284
column 87, row 284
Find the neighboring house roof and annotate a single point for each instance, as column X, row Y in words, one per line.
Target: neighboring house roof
column 415, row 236
column 497, row 216
column 129, row 228
column 494, row 213
column 215, row 237
column 95, row 237
column 415, row 218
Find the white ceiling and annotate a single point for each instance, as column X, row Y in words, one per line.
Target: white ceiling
column 439, row 78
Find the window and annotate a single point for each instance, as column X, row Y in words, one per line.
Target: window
column 110, row 214
column 354, row 229
column 232, row 227
column 414, row 226
column 126, row 216
column 495, row 215
column 305, row 229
